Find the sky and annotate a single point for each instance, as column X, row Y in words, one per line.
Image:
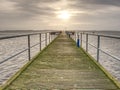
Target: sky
column 43, row 14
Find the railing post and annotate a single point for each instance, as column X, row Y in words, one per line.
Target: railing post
column 69, row 35
column 49, row 37
column 45, row 39
column 75, row 37
column 81, row 39
column 40, row 40
column 86, row 42
column 98, row 47
column 53, row 36
column 29, row 56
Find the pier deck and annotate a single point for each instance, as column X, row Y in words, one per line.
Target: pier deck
column 62, row 66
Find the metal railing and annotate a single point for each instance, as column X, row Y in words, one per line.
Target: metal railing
column 79, row 35
column 47, row 37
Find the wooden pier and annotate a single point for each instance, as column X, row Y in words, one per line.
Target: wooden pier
column 61, row 66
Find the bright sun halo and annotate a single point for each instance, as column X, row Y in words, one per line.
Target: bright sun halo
column 64, row 15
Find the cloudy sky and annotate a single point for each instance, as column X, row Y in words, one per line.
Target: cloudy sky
column 43, row 14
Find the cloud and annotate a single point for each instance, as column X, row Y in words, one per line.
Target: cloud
column 25, row 9
column 42, row 13
column 35, row 6
column 93, row 5
column 102, row 2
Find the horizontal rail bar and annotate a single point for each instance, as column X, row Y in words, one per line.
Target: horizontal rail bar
column 14, row 36
column 105, row 52
column 13, row 56
column 110, row 55
column 34, row 45
column 8, row 37
column 92, row 45
column 109, row 36
column 42, row 40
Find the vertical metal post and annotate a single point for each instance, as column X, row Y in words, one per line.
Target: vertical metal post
column 49, row 37
column 69, row 35
column 78, row 36
column 81, row 39
column 40, row 40
column 53, row 36
column 46, row 39
column 29, row 56
column 98, row 47
column 86, row 42
column 75, row 37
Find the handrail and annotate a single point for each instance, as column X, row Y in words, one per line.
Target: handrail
column 83, row 38
column 98, row 45
column 13, row 56
column 14, row 36
column 29, row 46
column 109, row 36
column 98, row 42
column 118, row 59
column 104, row 52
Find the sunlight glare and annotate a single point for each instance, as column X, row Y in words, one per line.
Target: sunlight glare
column 65, row 15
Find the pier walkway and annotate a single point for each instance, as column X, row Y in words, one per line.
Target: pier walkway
column 62, row 66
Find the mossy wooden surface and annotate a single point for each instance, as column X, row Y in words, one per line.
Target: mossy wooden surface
column 62, row 66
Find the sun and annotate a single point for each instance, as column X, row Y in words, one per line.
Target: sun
column 65, row 15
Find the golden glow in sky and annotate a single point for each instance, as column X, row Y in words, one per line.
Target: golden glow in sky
column 65, row 15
